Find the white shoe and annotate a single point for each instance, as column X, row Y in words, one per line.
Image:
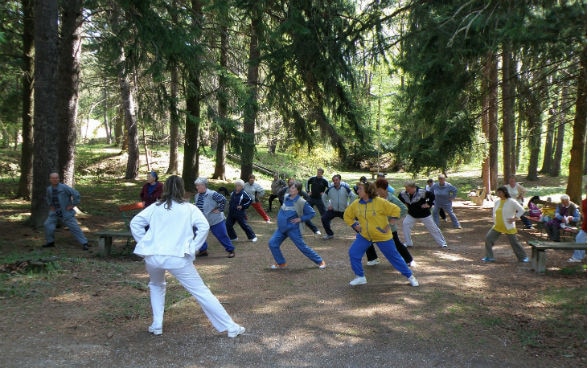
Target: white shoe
column 412, row 263
column 413, row 281
column 254, row 239
column 155, row 331
column 238, row 331
column 408, row 245
column 574, row 260
column 233, row 240
column 373, row 262
column 444, row 246
column 318, row 232
column 358, row 280
column 268, row 222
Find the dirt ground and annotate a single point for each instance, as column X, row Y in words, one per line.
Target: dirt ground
column 84, row 310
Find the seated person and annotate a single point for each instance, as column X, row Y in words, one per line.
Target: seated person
column 548, row 210
column 566, row 214
column 534, row 210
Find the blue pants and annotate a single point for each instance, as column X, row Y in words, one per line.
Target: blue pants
column 580, row 238
column 220, row 233
column 241, row 219
column 388, row 248
column 294, row 234
column 69, row 221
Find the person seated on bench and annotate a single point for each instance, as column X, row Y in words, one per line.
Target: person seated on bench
column 566, row 213
column 534, row 211
column 152, row 189
column 547, row 211
column 579, row 255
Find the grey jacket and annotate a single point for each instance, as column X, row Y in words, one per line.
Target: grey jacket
column 66, row 196
column 211, row 201
column 340, row 198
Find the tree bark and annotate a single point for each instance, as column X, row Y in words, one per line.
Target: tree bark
column 508, row 122
column 577, row 166
column 45, row 117
column 174, row 129
column 490, row 122
column 68, row 85
column 548, row 150
column 26, row 158
column 130, row 119
column 222, row 119
column 559, row 135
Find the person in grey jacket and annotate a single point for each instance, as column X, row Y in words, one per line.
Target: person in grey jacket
column 444, row 194
column 61, row 200
column 212, row 205
column 336, row 199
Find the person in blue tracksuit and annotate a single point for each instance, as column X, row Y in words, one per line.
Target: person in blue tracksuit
column 238, row 203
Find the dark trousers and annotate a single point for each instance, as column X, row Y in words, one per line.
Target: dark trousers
column 318, row 202
column 371, row 251
column 271, row 200
column 326, row 220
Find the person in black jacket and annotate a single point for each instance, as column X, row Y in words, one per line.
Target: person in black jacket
column 419, row 203
column 315, row 187
column 238, row 203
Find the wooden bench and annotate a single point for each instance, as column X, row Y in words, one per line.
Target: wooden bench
column 539, row 247
column 375, row 171
column 105, row 237
column 477, row 196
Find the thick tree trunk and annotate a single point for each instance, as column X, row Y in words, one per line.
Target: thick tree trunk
column 251, row 106
column 577, row 167
column 222, row 119
column 68, row 82
column 548, row 150
column 560, row 134
column 45, row 117
column 490, row 122
column 508, row 121
column 130, row 118
column 174, row 129
column 26, row 158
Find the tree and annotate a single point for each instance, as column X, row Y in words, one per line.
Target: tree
column 577, row 167
column 45, row 119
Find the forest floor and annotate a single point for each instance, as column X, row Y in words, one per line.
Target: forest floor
column 65, row 307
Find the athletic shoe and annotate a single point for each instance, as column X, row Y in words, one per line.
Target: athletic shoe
column 277, row 266
column 459, row 227
column 156, row 331
column 413, row 281
column 327, row 237
column 409, row 245
column 234, row 239
column 231, row 254
column 487, row 259
column 202, row 253
column 411, row 263
column 322, row 265
column 525, row 260
column 238, row 331
column 318, row 232
column 268, row 222
column 574, row 260
column 358, row 280
column 254, row 239
column 48, row 245
column 373, row 262
column 85, row 246
column 444, row 246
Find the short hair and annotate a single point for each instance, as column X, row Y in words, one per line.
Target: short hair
column 504, row 191
column 382, row 183
column 202, row 181
column 363, row 179
column 239, row 182
column 369, row 188
column 297, row 184
column 251, row 176
column 153, row 173
column 322, row 171
column 429, row 181
column 173, row 190
column 337, row 176
column 441, row 176
column 410, row 183
column 564, row 197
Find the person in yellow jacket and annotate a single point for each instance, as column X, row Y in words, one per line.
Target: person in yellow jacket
column 369, row 217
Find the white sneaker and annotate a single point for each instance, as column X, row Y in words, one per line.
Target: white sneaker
column 574, row 260
column 413, row 281
column 233, row 240
column 268, row 222
column 408, row 245
column 444, row 246
column 373, row 262
column 155, row 331
column 238, row 331
column 254, row 239
column 412, row 263
column 318, row 232
column 358, row 280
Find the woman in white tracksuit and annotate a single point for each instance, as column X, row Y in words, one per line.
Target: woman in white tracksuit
column 506, row 212
column 176, row 230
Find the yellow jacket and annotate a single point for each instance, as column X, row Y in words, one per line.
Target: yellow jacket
column 372, row 216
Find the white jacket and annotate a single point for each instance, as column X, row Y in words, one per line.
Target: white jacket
column 178, row 231
column 510, row 209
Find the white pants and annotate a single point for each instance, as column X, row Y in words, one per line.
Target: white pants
column 409, row 222
column 183, row 270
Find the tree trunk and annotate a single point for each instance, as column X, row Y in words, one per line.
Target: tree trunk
column 490, row 122
column 508, row 121
column 130, row 119
column 191, row 168
column 174, row 129
column 222, row 119
column 251, row 106
column 577, row 165
column 559, row 134
column 45, row 117
column 548, row 150
column 532, row 111
column 26, row 158
column 68, row 85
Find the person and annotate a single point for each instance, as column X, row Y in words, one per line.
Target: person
column 62, row 199
column 505, row 213
column 419, row 203
column 565, row 213
column 316, row 186
column 293, row 212
column 534, row 210
column 390, row 188
column 336, row 199
column 304, row 195
column 176, row 230
column 369, row 217
column 362, row 179
column 372, row 255
column 256, row 192
column 212, row 205
column 517, row 192
column 579, row 255
column 444, row 194
column 277, row 185
column 152, row 190
column 238, row 203
column 428, row 187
